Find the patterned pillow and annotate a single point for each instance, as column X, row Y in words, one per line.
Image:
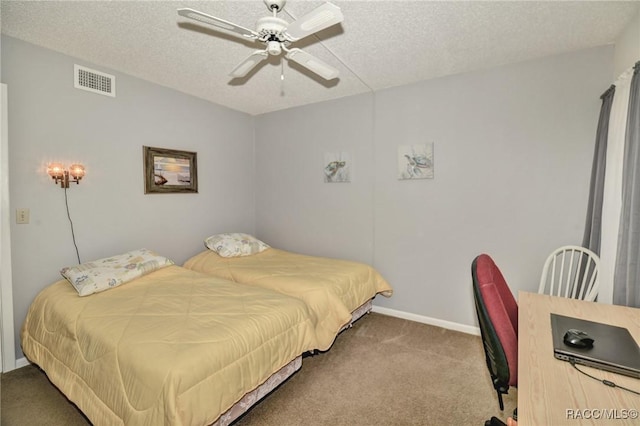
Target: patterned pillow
column 103, row 274
column 235, row 244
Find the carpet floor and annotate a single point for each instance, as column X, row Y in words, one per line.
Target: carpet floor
column 382, row 371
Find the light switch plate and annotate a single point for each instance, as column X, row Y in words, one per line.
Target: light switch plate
column 22, row 216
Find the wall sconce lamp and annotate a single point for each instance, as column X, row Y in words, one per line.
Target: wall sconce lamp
column 63, row 176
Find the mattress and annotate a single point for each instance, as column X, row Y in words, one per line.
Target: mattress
column 331, row 288
column 174, row 347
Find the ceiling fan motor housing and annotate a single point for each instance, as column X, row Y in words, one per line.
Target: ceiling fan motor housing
column 270, row 30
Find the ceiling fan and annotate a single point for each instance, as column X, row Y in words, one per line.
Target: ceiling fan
column 277, row 34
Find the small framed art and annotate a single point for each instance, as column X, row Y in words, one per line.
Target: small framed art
column 169, row 171
column 337, row 167
column 415, row 161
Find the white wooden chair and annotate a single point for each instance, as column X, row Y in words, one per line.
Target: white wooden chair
column 571, row 271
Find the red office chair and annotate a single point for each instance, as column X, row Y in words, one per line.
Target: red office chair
column 498, row 318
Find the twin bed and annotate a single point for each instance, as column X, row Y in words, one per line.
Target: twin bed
column 337, row 292
column 155, row 343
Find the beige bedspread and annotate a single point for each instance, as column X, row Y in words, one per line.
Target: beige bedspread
column 174, row 347
column 332, row 288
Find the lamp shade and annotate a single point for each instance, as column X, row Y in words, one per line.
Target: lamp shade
column 76, row 171
column 55, row 170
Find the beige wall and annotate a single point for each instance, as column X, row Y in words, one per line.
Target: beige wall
column 627, row 44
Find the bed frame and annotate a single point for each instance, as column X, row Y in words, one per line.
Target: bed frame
column 253, row 397
column 364, row 309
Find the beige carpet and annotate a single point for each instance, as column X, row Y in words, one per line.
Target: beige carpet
column 383, row 371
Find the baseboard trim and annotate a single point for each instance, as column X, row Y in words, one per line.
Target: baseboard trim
column 428, row 320
column 22, row 362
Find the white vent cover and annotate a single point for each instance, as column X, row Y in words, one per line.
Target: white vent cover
column 94, row 81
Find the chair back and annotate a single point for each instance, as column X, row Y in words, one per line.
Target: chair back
column 497, row 312
column 571, row 271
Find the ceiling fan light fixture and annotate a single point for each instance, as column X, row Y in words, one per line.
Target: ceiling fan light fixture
column 273, row 47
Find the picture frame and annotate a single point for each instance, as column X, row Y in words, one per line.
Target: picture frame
column 169, row 171
column 337, row 167
column 415, row 161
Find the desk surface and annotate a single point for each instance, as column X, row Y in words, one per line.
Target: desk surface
column 551, row 392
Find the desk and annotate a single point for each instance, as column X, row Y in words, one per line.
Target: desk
column 548, row 389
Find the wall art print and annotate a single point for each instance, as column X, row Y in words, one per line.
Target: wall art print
column 337, row 167
column 169, row 170
column 415, row 161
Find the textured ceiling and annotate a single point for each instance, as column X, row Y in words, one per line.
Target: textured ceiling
column 380, row 44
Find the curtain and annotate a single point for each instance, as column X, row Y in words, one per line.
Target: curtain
column 612, row 188
column 593, row 225
column 626, row 283
column 612, row 228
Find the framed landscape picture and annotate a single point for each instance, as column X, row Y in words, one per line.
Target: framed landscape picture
column 169, row 171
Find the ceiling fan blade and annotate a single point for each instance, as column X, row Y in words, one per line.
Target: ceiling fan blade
column 249, row 63
column 318, row 19
column 312, row 63
column 220, row 24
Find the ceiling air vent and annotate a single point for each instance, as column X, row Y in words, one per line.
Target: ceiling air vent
column 94, row 81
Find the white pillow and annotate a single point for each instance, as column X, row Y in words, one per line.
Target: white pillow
column 110, row 272
column 235, row 244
